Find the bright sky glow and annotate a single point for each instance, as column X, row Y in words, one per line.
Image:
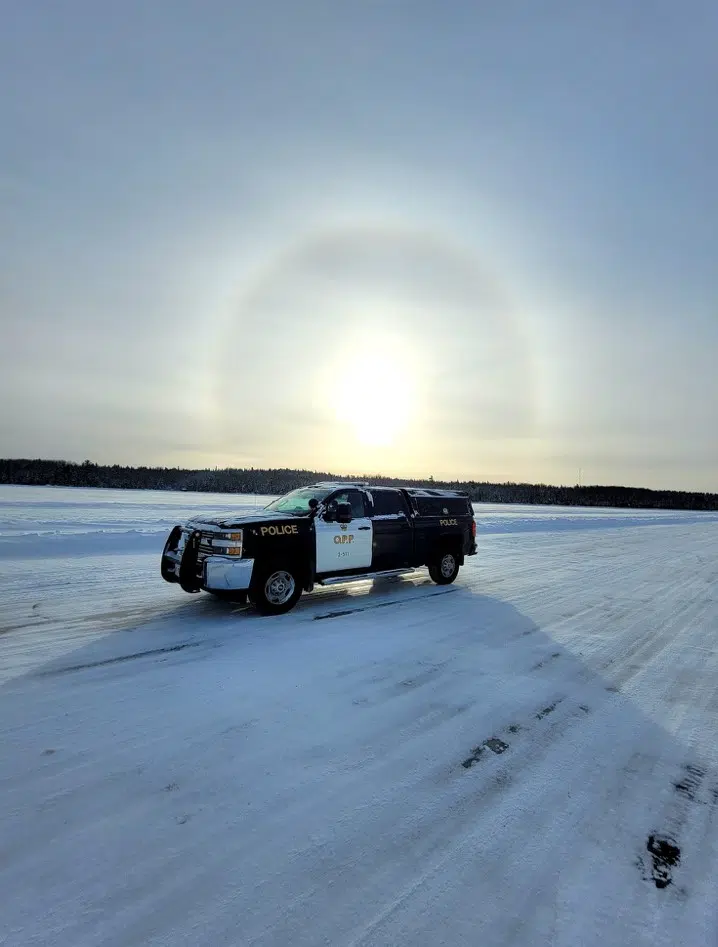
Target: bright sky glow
column 508, row 210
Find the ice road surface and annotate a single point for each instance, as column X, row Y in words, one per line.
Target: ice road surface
column 527, row 757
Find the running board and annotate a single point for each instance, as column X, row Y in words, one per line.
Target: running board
column 342, row 579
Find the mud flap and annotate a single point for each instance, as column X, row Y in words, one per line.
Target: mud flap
column 188, row 566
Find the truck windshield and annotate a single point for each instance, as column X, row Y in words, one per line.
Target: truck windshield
column 297, row 501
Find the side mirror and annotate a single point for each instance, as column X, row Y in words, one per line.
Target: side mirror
column 344, row 512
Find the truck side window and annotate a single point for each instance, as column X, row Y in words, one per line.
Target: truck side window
column 388, row 502
column 355, row 498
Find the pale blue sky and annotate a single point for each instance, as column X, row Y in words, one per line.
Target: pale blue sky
column 461, row 239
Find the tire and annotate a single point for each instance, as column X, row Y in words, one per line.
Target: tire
column 275, row 590
column 445, row 569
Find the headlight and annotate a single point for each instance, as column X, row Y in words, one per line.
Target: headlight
column 228, row 544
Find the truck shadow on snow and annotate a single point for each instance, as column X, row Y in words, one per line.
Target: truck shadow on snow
column 497, row 693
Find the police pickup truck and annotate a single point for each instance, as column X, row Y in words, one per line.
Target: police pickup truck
column 319, row 535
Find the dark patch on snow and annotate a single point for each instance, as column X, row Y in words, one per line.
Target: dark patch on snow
column 346, row 611
column 546, row 711
column 493, row 743
column 171, row 787
column 25, row 624
column 119, row 660
column 48, row 752
column 551, row 657
column 641, row 866
column 496, row 745
column 182, row 819
column 474, row 758
column 666, row 855
column 514, row 728
column 688, row 785
column 612, row 689
column 584, row 708
column 366, row 608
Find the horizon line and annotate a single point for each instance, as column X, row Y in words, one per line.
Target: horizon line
column 357, row 477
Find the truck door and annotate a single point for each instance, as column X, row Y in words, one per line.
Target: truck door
column 393, row 532
column 343, row 547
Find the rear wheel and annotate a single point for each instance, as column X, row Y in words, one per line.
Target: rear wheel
column 275, row 590
column 445, row 569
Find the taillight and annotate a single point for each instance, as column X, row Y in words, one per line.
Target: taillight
column 473, row 529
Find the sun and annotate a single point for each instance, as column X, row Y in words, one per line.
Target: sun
column 375, row 401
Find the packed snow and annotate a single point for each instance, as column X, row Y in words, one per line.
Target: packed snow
column 527, row 757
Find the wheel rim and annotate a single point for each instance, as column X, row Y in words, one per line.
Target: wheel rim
column 279, row 588
column 448, row 564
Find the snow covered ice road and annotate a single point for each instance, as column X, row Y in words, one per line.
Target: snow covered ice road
column 528, row 757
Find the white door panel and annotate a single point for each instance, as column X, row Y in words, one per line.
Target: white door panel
column 341, row 547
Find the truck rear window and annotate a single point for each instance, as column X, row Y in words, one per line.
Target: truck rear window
column 387, row 502
column 443, row 506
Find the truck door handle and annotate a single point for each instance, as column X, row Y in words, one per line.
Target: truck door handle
column 364, row 527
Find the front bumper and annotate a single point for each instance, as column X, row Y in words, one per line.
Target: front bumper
column 222, row 573
column 187, row 560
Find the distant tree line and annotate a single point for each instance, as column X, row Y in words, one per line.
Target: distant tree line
column 274, row 482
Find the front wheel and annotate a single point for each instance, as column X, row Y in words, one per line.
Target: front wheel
column 275, row 590
column 445, row 569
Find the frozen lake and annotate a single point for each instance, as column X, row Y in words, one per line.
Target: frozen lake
column 527, row 757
